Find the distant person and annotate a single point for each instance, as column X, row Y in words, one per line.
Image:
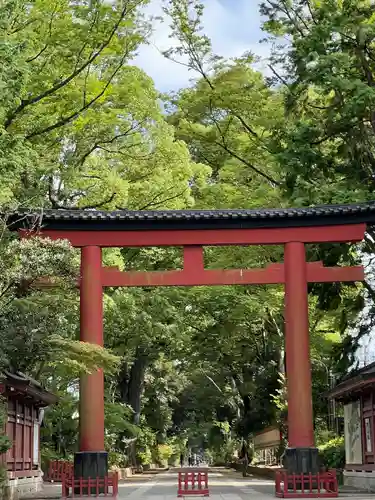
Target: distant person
column 244, row 456
column 181, row 460
column 245, row 464
column 190, row 460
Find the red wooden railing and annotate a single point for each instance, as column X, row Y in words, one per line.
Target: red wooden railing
column 322, row 485
column 193, row 483
column 92, row 486
column 58, row 468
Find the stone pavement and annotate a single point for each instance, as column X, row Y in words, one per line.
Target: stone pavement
column 224, row 484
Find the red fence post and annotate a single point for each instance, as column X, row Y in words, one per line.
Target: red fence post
column 115, row 484
column 179, row 484
column 64, row 493
column 277, row 483
column 49, row 473
column 193, row 483
column 73, row 484
column 57, row 469
column 320, row 485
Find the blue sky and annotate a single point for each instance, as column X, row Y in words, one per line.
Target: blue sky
column 232, row 25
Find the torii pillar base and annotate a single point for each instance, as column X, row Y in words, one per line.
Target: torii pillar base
column 91, row 464
column 301, row 460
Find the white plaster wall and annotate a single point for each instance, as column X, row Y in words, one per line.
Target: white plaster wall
column 353, row 433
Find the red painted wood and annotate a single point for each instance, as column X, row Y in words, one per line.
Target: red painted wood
column 363, row 431
column 16, row 442
column 197, row 276
column 92, row 385
column 59, row 468
column 192, row 482
column 319, row 274
column 90, row 486
column 209, row 237
column 19, row 427
column 192, row 277
column 193, row 258
column 321, row 485
column 297, row 347
column 316, row 273
column 25, row 452
column 24, row 473
column 367, row 402
column 34, row 418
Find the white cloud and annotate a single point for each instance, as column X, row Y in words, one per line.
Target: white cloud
column 233, row 29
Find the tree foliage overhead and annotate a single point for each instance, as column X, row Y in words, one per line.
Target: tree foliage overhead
column 325, row 62
column 80, row 126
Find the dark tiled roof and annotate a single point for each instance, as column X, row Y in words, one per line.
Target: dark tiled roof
column 355, row 381
column 322, row 210
column 29, row 388
column 134, row 219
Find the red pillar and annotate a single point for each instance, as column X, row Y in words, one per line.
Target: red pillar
column 297, row 347
column 91, row 408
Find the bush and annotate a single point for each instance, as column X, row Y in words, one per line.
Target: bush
column 332, row 453
column 116, row 460
column 162, row 454
column 4, row 488
column 174, row 460
column 144, row 457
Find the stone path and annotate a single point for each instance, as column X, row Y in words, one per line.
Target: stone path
column 224, row 484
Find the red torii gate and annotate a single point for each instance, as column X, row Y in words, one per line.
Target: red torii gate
column 192, row 230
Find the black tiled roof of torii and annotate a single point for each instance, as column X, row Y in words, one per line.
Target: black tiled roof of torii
column 319, row 210
column 267, row 217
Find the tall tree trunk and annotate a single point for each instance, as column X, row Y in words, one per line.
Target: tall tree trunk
column 136, row 385
column 131, row 385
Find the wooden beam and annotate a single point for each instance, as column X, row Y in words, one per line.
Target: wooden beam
column 207, row 237
column 197, row 276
